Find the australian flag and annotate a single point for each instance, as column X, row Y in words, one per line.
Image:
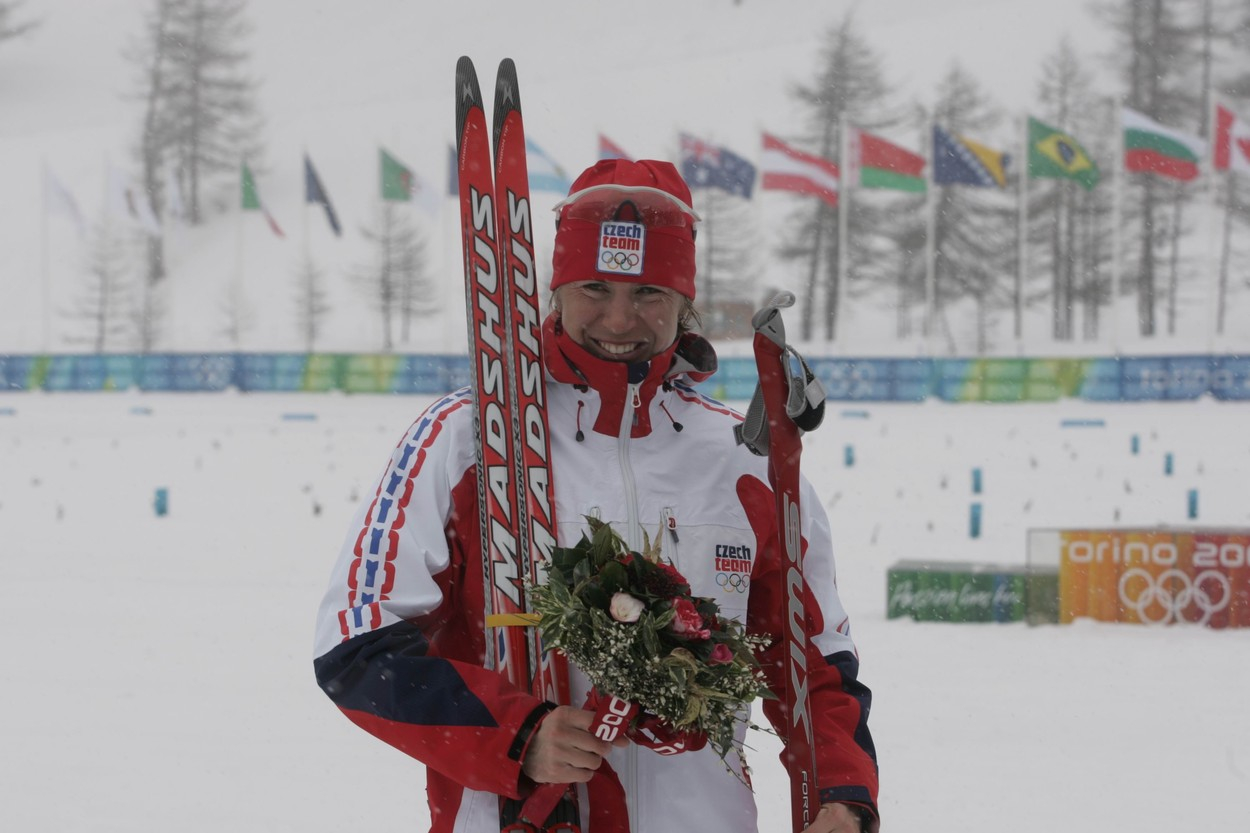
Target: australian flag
column 704, row 165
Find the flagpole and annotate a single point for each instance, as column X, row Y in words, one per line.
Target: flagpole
column 236, row 290
column 1117, row 197
column 1213, row 263
column 45, row 267
column 930, row 251
column 1022, row 230
column 1230, row 185
column 844, row 212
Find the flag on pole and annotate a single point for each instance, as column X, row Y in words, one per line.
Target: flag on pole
column 960, row 161
column 1054, row 154
column 1232, row 141
column 544, row 172
column 59, row 200
column 609, row 149
column 314, row 192
column 883, row 164
column 126, row 200
column 784, row 168
column 251, row 200
column 704, row 165
column 1150, row 147
column 397, row 180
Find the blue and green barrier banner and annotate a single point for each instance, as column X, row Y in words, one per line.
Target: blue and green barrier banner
column 1125, row 379
column 937, row 591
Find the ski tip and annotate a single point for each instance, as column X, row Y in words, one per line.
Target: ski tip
column 468, row 94
column 507, row 91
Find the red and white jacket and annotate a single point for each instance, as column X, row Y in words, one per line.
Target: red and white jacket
column 399, row 643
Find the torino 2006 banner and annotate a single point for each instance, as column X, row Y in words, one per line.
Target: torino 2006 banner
column 1149, row 576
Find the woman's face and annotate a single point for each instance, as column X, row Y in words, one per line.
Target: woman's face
column 620, row 321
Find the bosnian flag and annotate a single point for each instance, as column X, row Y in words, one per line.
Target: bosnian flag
column 1232, row 141
column 609, row 149
column 788, row 169
column 1150, row 147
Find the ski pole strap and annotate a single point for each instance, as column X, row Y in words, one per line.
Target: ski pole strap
column 512, row 620
column 805, row 396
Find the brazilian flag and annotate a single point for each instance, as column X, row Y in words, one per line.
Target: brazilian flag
column 1056, row 155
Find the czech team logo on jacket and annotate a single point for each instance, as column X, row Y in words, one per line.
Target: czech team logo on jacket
column 733, row 568
column 621, row 246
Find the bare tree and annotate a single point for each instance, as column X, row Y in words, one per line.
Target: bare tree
column 311, row 306
column 395, row 283
column 106, row 302
column 727, row 274
column 973, row 227
column 1159, row 55
column 848, row 88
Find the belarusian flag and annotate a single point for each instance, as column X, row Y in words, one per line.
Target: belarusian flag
column 1054, row 154
column 784, row 168
column 1232, row 141
column 883, row 164
column 397, row 180
column 1150, row 147
column 252, row 201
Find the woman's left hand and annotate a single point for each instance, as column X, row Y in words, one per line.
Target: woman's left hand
column 834, row 818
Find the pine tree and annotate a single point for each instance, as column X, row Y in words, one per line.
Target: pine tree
column 199, row 103
column 848, row 89
column 152, row 56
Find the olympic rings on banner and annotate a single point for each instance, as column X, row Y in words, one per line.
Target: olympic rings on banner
column 619, row 260
column 733, row 582
column 1173, row 591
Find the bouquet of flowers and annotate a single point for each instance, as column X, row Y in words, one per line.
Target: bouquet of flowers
column 629, row 622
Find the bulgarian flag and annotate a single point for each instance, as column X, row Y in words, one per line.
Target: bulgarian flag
column 1232, row 141
column 252, row 201
column 883, row 164
column 1150, row 147
column 784, row 168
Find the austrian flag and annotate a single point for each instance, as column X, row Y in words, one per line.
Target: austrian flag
column 785, row 168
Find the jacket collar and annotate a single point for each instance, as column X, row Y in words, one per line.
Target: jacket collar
column 567, row 361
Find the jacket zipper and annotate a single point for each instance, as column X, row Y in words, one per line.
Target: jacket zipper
column 634, row 542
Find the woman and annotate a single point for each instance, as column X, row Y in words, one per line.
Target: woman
column 400, row 638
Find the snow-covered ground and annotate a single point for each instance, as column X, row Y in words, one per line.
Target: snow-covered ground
column 157, row 673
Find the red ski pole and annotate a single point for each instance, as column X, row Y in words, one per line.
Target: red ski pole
column 786, row 395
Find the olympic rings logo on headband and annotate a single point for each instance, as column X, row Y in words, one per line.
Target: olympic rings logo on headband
column 619, row 261
column 1172, row 591
column 733, row 582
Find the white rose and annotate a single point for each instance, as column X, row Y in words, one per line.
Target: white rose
column 625, row 608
